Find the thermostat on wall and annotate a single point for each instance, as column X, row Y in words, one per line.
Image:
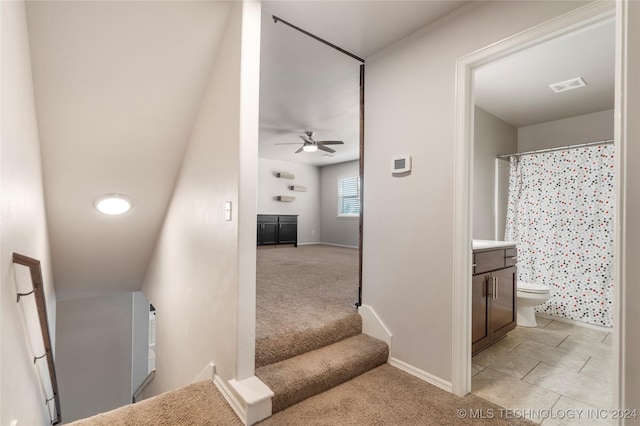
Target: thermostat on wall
column 401, row 164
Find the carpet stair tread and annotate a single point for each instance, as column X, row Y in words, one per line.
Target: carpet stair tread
column 279, row 347
column 311, row 373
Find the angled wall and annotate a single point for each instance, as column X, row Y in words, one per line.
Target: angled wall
column 205, row 311
column 24, row 228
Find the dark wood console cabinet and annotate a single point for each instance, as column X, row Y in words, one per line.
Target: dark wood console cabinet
column 493, row 295
column 277, row 229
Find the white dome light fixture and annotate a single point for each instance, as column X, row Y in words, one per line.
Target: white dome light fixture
column 113, row 204
column 310, row 148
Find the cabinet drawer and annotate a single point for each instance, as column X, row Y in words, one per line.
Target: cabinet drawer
column 510, row 257
column 488, row 261
column 267, row 218
column 290, row 219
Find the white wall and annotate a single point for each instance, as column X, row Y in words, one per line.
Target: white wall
column 205, row 301
column 337, row 230
column 492, row 136
column 593, row 127
column 24, row 227
column 408, row 235
column 139, row 339
column 94, row 354
column 630, row 218
column 306, row 205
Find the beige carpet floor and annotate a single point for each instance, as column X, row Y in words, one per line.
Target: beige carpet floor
column 305, row 299
column 383, row 396
column 197, row 404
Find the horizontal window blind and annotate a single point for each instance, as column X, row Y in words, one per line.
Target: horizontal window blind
column 349, row 196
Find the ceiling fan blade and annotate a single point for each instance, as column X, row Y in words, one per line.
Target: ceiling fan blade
column 298, row 151
column 324, row 148
column 306, row 140
column 330, row 142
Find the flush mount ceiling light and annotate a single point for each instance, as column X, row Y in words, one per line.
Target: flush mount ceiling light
column 563, row 86
column 113, row 204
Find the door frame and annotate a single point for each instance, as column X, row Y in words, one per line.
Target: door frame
column 581, row 18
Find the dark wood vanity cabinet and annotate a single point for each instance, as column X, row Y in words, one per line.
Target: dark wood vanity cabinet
column 277, row 229
column 493, row 296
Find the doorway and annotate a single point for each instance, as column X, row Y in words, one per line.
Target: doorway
column 585, row 18
column 310, row 178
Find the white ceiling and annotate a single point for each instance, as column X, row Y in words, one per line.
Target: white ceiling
column 306, row 85
column 516, row 88
column 117, row 86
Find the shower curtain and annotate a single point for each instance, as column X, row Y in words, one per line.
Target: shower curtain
column 560, row 213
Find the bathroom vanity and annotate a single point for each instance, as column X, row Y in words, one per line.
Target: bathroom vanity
column 493, row 293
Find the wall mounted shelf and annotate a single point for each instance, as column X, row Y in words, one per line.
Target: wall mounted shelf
column 298, row 188
column 285, row 175
column 287, row 198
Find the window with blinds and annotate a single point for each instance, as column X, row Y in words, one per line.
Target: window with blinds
column 349, row 196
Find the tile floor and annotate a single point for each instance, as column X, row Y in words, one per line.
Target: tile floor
column 555, row 374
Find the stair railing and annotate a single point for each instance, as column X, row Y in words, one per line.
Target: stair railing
column 38, row 293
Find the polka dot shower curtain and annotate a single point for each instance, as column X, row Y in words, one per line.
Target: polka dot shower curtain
column 560, row 212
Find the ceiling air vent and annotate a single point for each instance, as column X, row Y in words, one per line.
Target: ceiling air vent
column 563, row 86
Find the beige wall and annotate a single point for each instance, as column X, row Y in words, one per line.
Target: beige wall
column 94, row 354
column 337, row 230
column 408, row 235
column 24, row 228
column 205, row 302
column 306, row 205
column 593, row 127
column 492, row 136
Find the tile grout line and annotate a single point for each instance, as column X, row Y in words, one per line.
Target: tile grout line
column 529, row 372
column 585, row 364
column 516, row 346
column 563, row 340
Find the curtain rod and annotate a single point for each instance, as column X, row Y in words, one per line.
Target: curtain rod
column 276, row 20
column 560, row 148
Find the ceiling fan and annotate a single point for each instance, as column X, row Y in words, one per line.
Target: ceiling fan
column 312, row 145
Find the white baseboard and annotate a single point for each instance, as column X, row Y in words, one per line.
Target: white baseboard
column 207, row 373
column 339, row 245
column 231, row 398
column 310, row 243
column 250, row 398
column 421, row 374
column 574, row 322
column 373, row 326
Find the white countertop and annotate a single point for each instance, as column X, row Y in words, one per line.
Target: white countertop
column 485, row 244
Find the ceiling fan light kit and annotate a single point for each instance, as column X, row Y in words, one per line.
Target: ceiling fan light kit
column 312, row 145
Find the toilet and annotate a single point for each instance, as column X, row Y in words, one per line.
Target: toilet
column 530, row 295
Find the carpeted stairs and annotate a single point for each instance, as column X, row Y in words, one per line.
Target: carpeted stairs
column 296, row 379
column 309, row 333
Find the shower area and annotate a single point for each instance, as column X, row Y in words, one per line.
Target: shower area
column 544, row 167
column 559, row 211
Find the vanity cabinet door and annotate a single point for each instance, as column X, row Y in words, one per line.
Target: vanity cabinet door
column 503, row 302
column 479, row 311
